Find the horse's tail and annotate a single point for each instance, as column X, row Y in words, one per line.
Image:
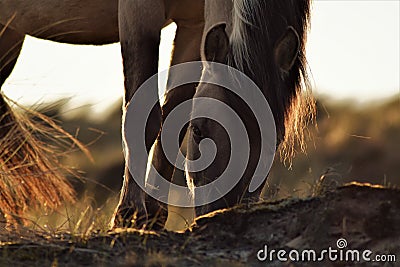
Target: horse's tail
column 30, row 172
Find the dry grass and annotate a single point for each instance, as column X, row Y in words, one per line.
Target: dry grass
column 30, row 171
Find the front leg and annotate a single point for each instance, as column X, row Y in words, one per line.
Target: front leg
column 187, row 48
column 140, row 24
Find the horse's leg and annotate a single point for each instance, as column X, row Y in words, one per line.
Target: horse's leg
column 10, row 48
column 187, row 48
column 140, row 25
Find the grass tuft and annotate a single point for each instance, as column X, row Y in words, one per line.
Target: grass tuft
column 31, row 174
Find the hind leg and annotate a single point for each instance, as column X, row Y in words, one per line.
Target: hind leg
column 10, row 48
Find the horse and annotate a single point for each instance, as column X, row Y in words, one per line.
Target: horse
column 266, row 41
column 247, row 33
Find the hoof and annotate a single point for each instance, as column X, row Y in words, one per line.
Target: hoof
column 132, row 218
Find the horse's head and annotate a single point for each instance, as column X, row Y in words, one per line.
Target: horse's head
column 273, row 59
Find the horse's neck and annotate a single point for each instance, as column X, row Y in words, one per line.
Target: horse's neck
column 216, row 12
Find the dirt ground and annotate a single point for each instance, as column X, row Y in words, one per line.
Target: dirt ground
column 364, row 217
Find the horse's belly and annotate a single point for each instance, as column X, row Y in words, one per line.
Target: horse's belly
column 70, row 21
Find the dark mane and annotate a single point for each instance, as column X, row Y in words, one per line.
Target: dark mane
column 257, row 25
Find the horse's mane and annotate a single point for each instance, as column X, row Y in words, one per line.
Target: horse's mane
column 256, row 26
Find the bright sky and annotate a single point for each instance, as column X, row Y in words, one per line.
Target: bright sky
column 353, row 52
